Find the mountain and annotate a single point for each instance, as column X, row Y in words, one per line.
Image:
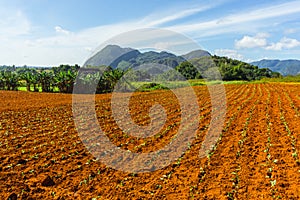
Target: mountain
column 285, row 67
column 196, row 54
column 159, row 64
column 162, row 58
column 124, row 58
column 109, row 55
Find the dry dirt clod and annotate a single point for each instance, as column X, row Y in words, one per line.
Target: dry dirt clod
column 48, row 182
column 22, row 161
column 12, row 196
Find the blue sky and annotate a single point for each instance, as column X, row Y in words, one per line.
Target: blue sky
column 53, row 32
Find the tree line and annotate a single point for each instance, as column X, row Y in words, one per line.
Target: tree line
column 62, row 78
column 230, row 69
column 58, row 79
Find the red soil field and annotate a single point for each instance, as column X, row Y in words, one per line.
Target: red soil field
column 256, row 156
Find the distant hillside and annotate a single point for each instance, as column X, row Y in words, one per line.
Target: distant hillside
column 196, row 54
column 232, row 69
column 110, row 54
column 160, row 64
column 124, row 58
column 285, row 67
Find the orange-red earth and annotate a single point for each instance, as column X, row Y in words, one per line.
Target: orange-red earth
column 256, row 156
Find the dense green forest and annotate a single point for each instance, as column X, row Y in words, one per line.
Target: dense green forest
column 206, row 67
column 231, row 69
column 63, row 77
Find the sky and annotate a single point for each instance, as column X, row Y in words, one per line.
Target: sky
column 54, row 32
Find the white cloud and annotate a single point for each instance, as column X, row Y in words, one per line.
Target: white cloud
column 290, row 31
column 69, row 47
column 229, row 53
column 13, row 23
column 284, row 43
column 89, row 49
column 259, row 40
column 244, row 21
column 178, row 15
column 74, row 47
column 59, row 29
column 179, row 12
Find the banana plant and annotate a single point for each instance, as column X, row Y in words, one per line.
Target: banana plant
column 30, row 76
column 64, row 80
column 11, row 80
column 46, row 81
column 2, row 82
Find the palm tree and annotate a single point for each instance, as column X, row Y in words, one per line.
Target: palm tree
column 87, row 80
column 14, row 81
column 26, row 75
column 35, row 80
column 2, row 82
column 30, row 76
column 115, row 77
column 65, row 80
column 46, row 81
column 11, row 80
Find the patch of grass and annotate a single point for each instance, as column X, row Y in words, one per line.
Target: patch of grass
column 151, row 86
column 287, row 79
column 23, row 88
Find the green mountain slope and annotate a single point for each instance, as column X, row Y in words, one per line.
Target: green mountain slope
column 162, row 63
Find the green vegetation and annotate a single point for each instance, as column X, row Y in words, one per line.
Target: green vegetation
column 231, row 69
column 103, row 79
column 38, row 79
column 151, row 86
column 188, row 70
column 290, row 78
column 216, row 68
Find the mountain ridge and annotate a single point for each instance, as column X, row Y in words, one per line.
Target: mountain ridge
column 284, row 67
column 124, row 58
